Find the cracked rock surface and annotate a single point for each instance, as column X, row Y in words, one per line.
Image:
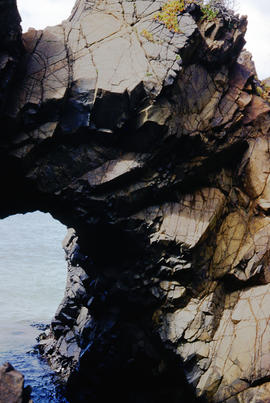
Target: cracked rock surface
column 152, row 146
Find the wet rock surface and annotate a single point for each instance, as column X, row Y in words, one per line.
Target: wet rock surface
column 153, row 147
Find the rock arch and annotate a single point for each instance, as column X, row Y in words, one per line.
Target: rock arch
column 147, row 143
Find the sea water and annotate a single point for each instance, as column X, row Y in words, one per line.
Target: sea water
column 32, row 283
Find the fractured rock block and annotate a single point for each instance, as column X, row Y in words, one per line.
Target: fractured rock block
column 187, row 222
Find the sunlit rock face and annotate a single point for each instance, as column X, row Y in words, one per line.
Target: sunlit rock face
column 154, row 147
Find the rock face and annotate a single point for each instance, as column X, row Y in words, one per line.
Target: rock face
column 153, row 146
column 12, row 386
column 10, row 48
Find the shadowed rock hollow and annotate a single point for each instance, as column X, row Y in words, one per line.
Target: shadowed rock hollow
column 153, row 146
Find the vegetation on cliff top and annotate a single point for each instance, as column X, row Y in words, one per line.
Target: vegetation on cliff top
column 171, row 10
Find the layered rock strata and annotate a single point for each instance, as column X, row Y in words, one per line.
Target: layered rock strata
column 153, row 146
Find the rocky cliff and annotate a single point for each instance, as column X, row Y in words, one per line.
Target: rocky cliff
column 152, row 144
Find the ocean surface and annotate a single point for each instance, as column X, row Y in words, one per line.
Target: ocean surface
column 32, row 283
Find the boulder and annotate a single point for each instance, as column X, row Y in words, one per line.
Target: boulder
column 12, row 386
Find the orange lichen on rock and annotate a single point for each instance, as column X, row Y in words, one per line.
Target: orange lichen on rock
column 169, row 14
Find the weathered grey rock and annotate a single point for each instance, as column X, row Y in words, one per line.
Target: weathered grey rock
column 63, row 344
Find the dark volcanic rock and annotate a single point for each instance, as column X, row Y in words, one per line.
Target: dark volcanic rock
column 12, row 386
column 153, row 146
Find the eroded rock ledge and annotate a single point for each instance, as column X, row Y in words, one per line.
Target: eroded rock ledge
column 155, row 150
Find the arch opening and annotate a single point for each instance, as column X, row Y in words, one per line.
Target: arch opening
column 32, row 284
